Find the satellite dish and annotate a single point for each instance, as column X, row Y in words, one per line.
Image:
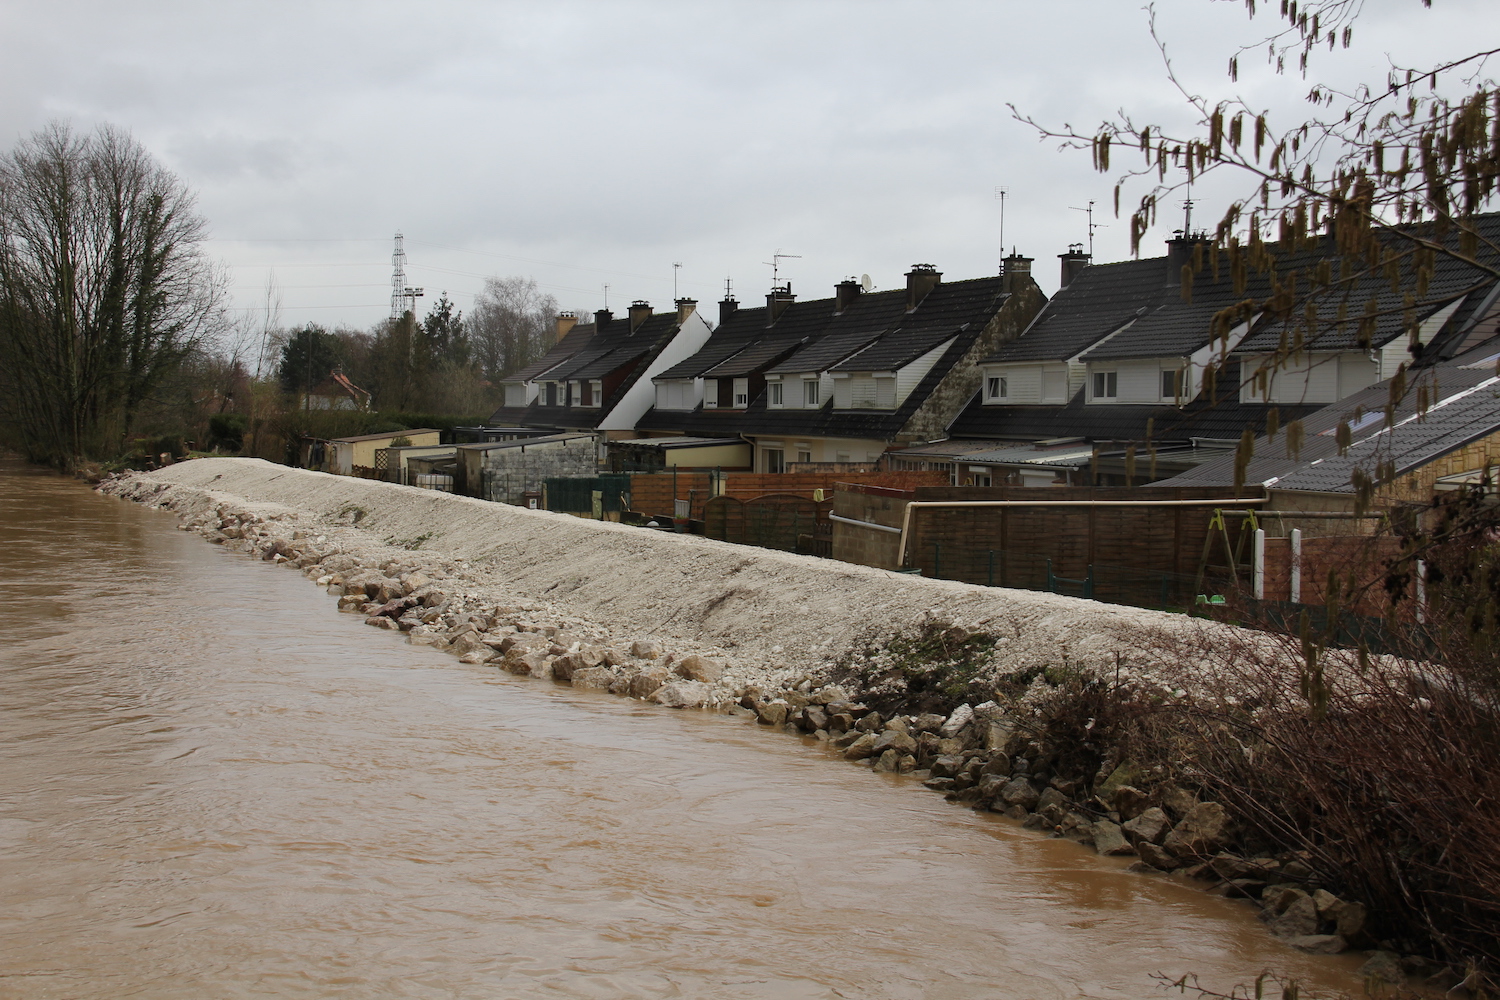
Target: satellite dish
column 865, row 283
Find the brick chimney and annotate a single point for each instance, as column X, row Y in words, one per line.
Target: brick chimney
column 1073, row 263
column 777, row 300
column 845, row 292
column 640, row 311
column 685, row 308
column 602, row 318
column 1017, row 273
column 565, row 322
column 921, row 279
column 728, row 306
column 1180, row 253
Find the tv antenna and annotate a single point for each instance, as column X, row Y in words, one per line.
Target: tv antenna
column 1092, row 224
column 1001, row 193
column 676, row 266
column 1187, row 216
column 728, row 288
column 401, row 293
column 606, row 295
column 775, row 265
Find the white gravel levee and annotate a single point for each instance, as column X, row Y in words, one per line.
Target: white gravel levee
column 770, row 615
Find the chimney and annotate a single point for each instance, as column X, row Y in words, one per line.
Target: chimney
column 1017, row 273
column 777, row 301
column 1180, row 252
column 640, row 311
column 685, row 308
column 601, row 319
column 921, row 279
column 565, row 322
column 727, row 308
column 845, row 292
column 1073, row 262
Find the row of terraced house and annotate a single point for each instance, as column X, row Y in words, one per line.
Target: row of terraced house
column 985, row 378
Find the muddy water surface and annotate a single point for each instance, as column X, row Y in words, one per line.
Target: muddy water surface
column 213, row 785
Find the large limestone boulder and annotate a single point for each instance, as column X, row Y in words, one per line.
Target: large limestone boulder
column 698, row 668
column 1202, row 831
column 682, row 694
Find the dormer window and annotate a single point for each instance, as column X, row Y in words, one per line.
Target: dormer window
column 997, row 387
column 741, row 392
column 810, row 392
column 773, row 391
column 1106, row 385
column 1172, row 384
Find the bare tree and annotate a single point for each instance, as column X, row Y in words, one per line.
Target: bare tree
column 510, row 326
column 104, row 288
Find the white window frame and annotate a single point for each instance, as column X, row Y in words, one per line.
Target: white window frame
column 774, row 394
column 741, row 393
column 996, row 387
column 1105, row 384
column 1179, row 384
column 811, row 392
column 773, row 459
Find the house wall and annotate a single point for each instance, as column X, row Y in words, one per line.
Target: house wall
column 361, row 454
column 868, row 546
column 691, row 335
column 1028, row 384
column 908, row 376
column 820, row 449
column 502, row 474
column 1322, row 377
column 717, row 456
column 964, row 379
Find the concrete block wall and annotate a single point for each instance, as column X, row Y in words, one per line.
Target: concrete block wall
column 509, row 472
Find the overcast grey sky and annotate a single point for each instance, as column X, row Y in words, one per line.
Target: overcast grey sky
column 598, row 142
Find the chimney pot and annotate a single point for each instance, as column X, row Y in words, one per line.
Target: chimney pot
column 1073, row 263
column 777, row 301
column 845, row 292
column 640, row 311
column 1017, row 273
column 920, row 280
column 728, row 306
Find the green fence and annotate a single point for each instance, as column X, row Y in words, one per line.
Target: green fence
column 575, row 494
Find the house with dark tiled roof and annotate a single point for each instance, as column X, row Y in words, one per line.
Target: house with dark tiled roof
column 598, row 375
column 1444, row 429
column 1122, row 355
column 846, row 378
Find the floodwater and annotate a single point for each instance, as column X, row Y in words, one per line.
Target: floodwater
column 212, row 785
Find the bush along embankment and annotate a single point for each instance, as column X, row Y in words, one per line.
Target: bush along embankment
column 1352, row 800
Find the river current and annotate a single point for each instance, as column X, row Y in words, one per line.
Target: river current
column 212, row 785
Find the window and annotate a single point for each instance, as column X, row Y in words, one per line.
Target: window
column 598, row 392
column 804, row 453
column 842, row 456
column 1106, row 385
column 741, row 392
column 862, row 393
column 551, row 393
column 997, row 387
column 885, row 393
column 585, row 394
column 710, row 393
column 774, row 459
column 1171, row 384
column 809, row 392
column 774, row 391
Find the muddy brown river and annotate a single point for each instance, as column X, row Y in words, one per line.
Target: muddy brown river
column 212, row 785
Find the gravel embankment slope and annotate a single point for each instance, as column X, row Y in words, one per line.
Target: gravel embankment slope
column 763, row 608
